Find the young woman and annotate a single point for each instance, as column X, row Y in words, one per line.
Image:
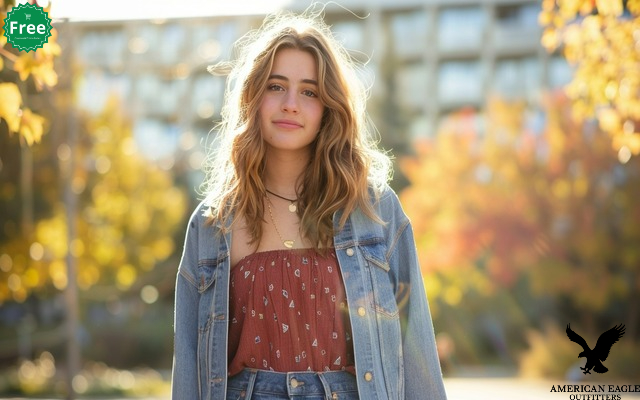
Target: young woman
column 299, row 277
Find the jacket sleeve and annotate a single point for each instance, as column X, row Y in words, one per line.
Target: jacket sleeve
column 422, row 373
column 184, row 384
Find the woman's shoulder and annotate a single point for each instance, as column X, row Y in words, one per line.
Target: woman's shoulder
column 201, row 212
column 203, row 215
column 387, row 205
column 383, row 196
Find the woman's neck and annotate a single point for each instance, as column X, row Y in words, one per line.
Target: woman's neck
column 282, row 171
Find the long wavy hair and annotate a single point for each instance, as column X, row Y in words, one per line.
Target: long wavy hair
column 345, row 162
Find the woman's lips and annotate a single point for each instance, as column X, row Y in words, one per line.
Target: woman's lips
column 287, row 124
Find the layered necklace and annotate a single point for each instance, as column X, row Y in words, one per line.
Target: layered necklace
column 289, row 242
column 292, row 207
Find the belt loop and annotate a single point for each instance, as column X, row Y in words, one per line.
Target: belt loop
column 288, row 384
column 325, row 385
column 253, row 373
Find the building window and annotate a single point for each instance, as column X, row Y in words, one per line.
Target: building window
column 560, row 72
column 103, row 48
column 411, row 91
column 461, row 28
column 97, row 86
column 148, row 92
column 207, row 95
column 156, row 138
column 214, row 41
column 520, row 16
column 460, row 83
column 410, row 33
column 516, row 28
column 517, row 78
column 173, row 40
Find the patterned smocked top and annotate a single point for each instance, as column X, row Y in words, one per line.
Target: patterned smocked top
column 289, row 312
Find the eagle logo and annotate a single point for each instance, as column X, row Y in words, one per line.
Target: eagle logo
column 600, row 352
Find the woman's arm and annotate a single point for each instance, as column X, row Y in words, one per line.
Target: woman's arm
column 185, row 374
column 422, row 373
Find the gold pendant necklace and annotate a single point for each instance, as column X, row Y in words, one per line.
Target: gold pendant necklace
column 287, row 243
column 292, row 207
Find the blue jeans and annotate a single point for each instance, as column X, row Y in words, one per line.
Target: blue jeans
column 251, row 384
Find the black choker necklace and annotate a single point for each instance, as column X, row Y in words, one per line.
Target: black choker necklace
column 292, row 207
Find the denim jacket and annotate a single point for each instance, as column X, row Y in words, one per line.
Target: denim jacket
column 394, row 344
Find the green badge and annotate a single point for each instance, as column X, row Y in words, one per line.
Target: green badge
column 27, row 27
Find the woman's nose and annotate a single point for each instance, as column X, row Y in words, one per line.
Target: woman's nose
column 290, row 102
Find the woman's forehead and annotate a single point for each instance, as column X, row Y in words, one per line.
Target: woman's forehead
column 295, row 64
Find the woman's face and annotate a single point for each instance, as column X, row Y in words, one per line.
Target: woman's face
column 291, row 111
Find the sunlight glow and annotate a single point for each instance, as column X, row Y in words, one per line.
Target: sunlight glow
column 116, row 10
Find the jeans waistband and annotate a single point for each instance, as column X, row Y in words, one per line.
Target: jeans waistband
column 330, row 384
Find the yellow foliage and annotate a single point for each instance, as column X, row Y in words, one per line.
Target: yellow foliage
column 52, row 233
column 569, row 9
column 581, row 187
column 634, row 6
column 31, row 126
column 127, row 211
column 10, row 105
column 508, row 205
column 550, row 354
column 51, row 48
column 37, row 65
column 31, row 278
column 3, row 38
column 452, row 296
column 561, row 189
column 609, row 8
column 77, row 247
column 162, row 248
column 609, row 119
column 605, row 50
column 629, row 141
column 88, row 274
column 126, row 276
column 58, row 274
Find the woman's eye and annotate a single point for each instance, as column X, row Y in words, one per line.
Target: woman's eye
column 309, row 93
column 275, row 87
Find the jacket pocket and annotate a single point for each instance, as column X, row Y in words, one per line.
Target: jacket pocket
column 384, row 297
column 387, row 317
column 208, row 276
column 207, row 271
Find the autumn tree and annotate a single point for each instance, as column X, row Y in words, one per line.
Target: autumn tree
column 25, row 80
column 22, row 73
column 537, row 206
column 600, row 40
column 128, row 209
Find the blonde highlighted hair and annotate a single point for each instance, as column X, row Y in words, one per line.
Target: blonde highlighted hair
column 345, row 162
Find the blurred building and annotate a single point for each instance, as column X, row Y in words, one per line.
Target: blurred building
column 424, row 58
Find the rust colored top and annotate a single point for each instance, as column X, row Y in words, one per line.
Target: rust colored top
column 289, row 313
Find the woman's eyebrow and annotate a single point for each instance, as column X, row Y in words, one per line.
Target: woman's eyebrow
column 284, row 78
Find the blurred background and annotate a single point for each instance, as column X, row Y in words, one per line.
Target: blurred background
column 515, row 130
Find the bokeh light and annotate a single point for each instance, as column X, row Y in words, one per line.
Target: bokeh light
column 149, row 294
